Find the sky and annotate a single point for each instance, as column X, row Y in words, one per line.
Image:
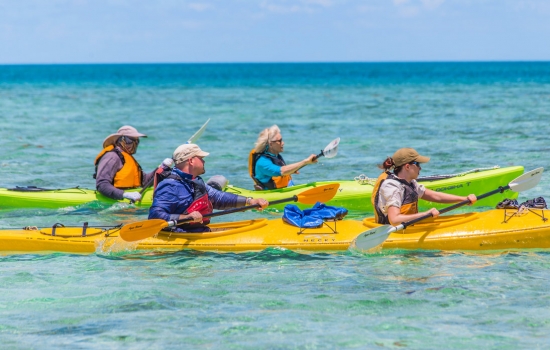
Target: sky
column 214, row 31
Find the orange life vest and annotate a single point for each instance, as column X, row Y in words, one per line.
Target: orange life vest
column 275, row 181
column 130, row 175
column 410, row 199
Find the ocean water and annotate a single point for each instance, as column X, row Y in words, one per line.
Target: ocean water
column 53, row 120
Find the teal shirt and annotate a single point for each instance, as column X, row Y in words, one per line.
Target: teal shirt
column 265, row 170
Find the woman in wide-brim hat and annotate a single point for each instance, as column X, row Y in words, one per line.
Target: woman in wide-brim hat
column 116, row 168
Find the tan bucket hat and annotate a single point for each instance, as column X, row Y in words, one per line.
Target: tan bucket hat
column 407, row 155
column 125, row 130
column 186, row 152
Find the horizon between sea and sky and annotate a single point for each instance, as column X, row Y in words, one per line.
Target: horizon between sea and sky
column 74, row 71
column 167, row 31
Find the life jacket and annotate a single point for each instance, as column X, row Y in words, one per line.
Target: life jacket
column 160, row 174
column 410, row 198
column 201, row 202
column 129, row 176
column 275, row 181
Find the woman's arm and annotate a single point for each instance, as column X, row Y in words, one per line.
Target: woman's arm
column 294, row 167
column 440, row 197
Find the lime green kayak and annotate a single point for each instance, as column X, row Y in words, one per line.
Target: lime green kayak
column 30, row 197
column 356, row 195
column 353, row 195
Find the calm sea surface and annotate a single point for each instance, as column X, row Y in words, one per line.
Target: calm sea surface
column 53, row 120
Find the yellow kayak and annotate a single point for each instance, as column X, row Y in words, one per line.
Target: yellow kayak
column 249, row 235
column 490, row 230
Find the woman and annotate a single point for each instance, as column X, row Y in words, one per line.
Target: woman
column 266, row 165
column 117, row 169
column 395, row 196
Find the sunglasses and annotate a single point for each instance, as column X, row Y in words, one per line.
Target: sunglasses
column 416, row 163
column 128, row 139
column 279, row 140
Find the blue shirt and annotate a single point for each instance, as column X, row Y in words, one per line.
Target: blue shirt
column 266, row 169
column 173, row 197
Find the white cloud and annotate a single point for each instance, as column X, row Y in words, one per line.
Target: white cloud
column 412, row 8
column 284, row 6
column 200, row 7
column 409, row 11
column 366, row 8
column 323, row 3
column 432, row 4
column 283, row 9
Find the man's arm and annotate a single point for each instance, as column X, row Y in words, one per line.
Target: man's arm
column 224, row 200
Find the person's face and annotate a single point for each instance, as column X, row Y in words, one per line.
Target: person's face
column 277, row 145
column 414, row 168
column 130, row 144
column 197, row 164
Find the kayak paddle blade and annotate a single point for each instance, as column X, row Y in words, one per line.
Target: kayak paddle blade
column 318, row 194
column 526, row 181
column 142, row 229
column 372, row 238
column 198, row 134
column 332, row 149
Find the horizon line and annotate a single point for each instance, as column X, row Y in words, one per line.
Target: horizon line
column 268, row 62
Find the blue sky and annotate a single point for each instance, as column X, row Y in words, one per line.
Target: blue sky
column 132, row 31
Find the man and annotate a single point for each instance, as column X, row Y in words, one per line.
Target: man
column 115, row 166
column 184, row 195
column 395, row 196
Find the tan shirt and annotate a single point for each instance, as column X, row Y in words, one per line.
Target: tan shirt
column 392, row 193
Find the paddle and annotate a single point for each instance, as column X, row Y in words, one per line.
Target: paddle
column 330, row 151
column 193, row 138
column 372, row 238
column 147, row 228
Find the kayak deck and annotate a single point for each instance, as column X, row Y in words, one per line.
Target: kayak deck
column 353, row 195
column 491, row 230
column 356, row 195
column 249, row 235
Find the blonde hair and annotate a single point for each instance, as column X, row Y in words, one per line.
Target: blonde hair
column 262, row 143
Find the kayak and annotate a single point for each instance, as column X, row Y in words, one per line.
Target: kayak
column 249, row 235
column 353, row 195
column 491, row 230
column 32, row 197
column 495, row 229
column 356, row 195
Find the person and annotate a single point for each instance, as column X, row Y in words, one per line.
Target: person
column 184, row 195
column 116, row 168
column 395, row 196
column 267, row 167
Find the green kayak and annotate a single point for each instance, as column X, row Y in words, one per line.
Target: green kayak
column 353, row 195
column 356, row 194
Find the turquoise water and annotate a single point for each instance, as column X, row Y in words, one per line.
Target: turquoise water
column 53, row 120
